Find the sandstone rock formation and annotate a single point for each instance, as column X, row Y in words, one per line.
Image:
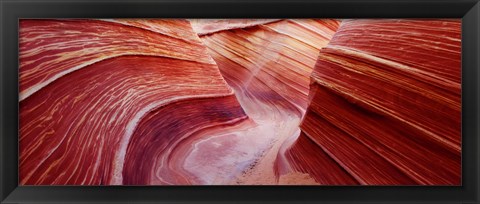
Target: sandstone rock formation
column 240, row 101
column 269, row 67
column 98, row 96
column 385, row 105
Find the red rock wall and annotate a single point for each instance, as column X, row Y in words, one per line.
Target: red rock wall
column 385, row 104
column 88, row 85
column 271, row 62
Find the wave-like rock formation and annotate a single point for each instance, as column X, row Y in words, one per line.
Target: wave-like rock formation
column 269, row 67
column 384, row 106
column 239, row 101
column 50, row 49
column 104, row 102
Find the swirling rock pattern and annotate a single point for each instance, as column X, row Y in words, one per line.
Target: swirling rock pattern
column 79, row 128
column 385, row 104
column 239, row 101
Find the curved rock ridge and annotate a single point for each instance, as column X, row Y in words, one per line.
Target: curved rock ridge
column 385, row 106
column 162, row 142
column 208, row 26
column 83, row 128
column 269, row 67
column 50, row 49
column 170, row 27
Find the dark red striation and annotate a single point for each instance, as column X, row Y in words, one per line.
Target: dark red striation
column 317, row 163
column 385, row 103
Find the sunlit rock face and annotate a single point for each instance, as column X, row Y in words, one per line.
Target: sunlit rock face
column 272, row 62
column 384, row 106
column 106, row 102
column 208, row 26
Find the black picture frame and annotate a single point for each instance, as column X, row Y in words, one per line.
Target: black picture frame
column 11, row 11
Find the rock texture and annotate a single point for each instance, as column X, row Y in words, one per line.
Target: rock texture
column 384, row 106
column 240, row 101
column 269, row 67
column 95, row 96
column 272, row 62
column 208, row 26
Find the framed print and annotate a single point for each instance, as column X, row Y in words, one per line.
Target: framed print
column 226, row 101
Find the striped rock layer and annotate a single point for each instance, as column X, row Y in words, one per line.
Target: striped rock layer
column 272, row 62
column 105, row 102
column 384, row 106
column 269, row 67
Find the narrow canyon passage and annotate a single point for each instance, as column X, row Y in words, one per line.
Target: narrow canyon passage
column 222, row 156
column 268, row 65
